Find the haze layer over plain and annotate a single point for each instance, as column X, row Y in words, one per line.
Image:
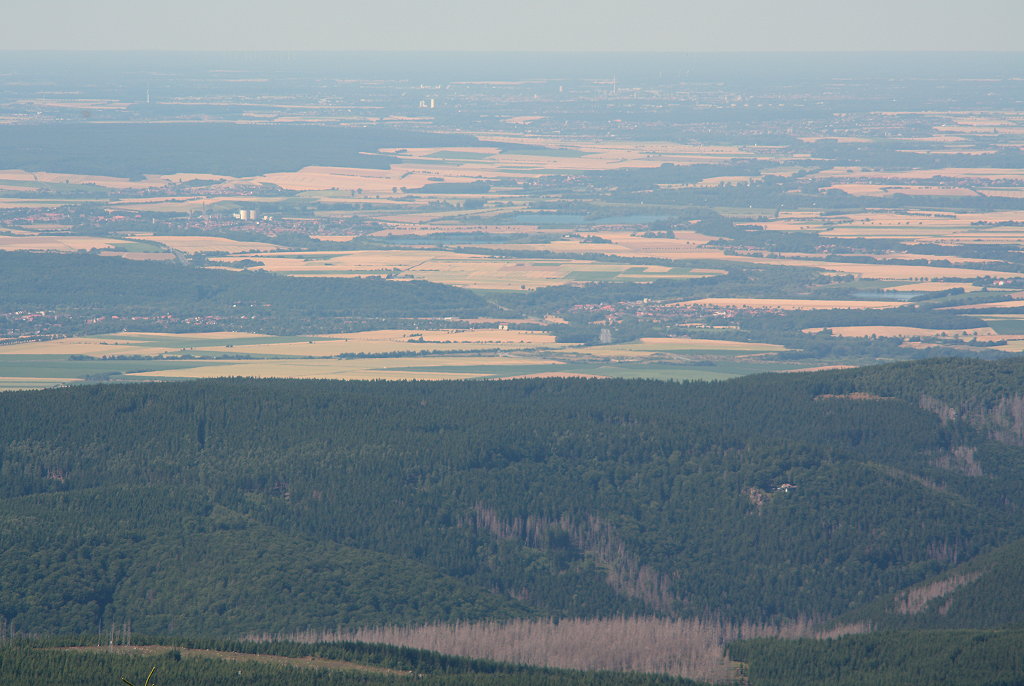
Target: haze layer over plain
column 568, row 25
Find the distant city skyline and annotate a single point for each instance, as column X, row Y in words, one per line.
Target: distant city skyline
column 525, row 25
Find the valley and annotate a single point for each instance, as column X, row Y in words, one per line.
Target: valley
column 646, row 369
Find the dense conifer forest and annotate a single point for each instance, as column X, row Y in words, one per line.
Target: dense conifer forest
column 879, row 497
column 924, row 658
column 229, row 506
column 84, row 285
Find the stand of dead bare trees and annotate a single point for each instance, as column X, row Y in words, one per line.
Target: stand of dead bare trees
column 691, row 648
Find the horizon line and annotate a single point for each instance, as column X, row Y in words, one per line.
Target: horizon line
column 280, row 51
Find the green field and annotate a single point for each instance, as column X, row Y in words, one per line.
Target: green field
column 183, row 340
column 660, row 370
column 59, row 367
column 1006, row 326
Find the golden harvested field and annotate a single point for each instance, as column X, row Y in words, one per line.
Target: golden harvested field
column 489, row 336
column 395, row 368
column 459, row 269
column 337, row 239
column 197, row 244
column 890, row 272
column 346, row 263
column 94, row 346
column 390, row 354
column 58, row 243
column 952, row 259
column 148, row 182
column 652, row 346
column 981, row 306
column 523, row 120
column 1003, row 192
column 363, row 342
column 791, row 304
column 984, row 333
column 131, row 343
column 398, row 341
column 1004, row 129
column 959, row 220
column 884, row 191
column 689, row 247
column 822, row 368
column 420, row 166
column 295, row 356
column 47, row 177
column 552, row 375
column 44, row 227
column 929, row 286
column 912, row 226
column 368, row 181
column 932, row 235
column 626, row 153
column 715, row 181
column 157, row 256
column 1002, row 317
column 185, row 177
column 983, row 120
column 916, row 174
column 180, row 204
column 172, row 337
column 686, row 246
column 1013, row 346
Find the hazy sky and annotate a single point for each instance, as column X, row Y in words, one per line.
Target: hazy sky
column 592, row 25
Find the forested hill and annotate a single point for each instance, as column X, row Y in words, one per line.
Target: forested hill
column 242, row 505
column 982, row 593
column 83, row 284
column 135, row 149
